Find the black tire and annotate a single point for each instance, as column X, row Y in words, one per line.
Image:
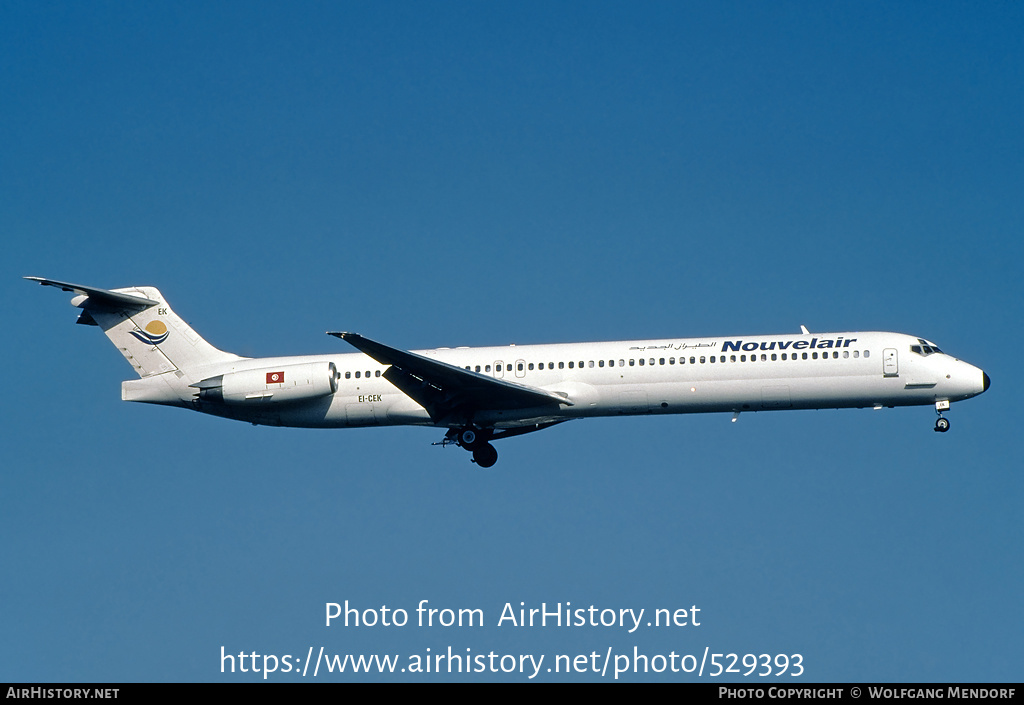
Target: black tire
column 942, row 425
column 485, row 456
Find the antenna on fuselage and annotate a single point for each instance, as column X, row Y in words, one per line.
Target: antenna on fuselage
column 803, row 329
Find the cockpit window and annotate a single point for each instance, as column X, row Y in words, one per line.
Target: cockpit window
column 925, row 348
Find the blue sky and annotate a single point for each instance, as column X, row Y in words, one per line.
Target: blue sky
column 479, row 174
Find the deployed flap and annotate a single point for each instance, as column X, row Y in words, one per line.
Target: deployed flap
column 445, row 390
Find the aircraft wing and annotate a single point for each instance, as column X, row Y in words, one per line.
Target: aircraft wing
column 446, row 390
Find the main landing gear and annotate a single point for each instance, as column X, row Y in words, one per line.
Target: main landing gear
column 485, row 455
column 476, row 441
column 942, row 423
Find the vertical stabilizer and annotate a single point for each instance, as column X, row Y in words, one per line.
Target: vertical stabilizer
column 139, row 322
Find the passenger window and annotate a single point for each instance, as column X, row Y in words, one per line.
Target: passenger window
column 591, row 363
column 571, row 364
column 867, row 353
column 693, row 360
column 641, row 362
column 520, row 366
column 631, row 363
column 671, row 361
column 743, row 358
column 487, row 368
column 600, row 363
column 661, row 361
column 357, row 375
column 377, row 373
column 814, row 355
column 856, row 353
column 702, row 359
column 711, row 360
column 348, row 375
column 530, row 366
column 561, row 365
column 774, row 357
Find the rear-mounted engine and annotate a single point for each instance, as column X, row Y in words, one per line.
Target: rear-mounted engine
column 271, row 385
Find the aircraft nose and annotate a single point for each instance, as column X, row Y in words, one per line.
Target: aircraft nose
column 985, row 382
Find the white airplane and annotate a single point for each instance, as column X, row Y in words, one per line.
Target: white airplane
column 485, row 394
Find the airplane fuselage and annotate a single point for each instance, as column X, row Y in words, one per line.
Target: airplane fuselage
column 672, row 376
column 485, row 394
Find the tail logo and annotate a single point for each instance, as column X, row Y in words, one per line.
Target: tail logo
column 154, row 334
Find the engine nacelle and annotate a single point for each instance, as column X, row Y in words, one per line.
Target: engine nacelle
column 271, row 385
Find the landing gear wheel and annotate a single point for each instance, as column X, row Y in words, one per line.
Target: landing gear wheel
column 485, row 456
column 941, row 425
column 469, row 438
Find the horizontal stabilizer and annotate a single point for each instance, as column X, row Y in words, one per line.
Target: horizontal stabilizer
column 102, row 297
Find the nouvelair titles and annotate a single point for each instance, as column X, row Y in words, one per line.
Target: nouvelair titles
column 813, row 343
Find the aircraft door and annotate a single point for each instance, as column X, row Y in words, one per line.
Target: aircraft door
column 499, row 369
column 890, row 366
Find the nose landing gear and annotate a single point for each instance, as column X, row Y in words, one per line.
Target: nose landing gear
column 942, row 423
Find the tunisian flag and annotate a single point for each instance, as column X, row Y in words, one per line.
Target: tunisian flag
column 275, row 377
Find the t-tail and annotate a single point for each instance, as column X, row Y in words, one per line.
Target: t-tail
column 139, row 322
